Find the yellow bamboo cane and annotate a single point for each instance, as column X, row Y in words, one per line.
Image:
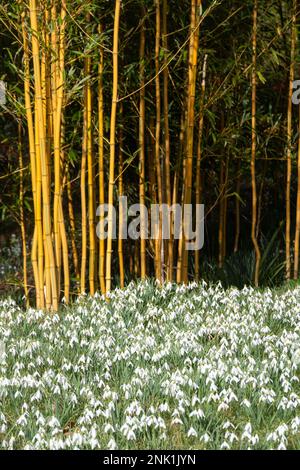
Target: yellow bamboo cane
column 101, row 163
column 112, row 146
column 83, row 201
column 31, row 139
column 91, row 183
column 142, row 148
column 158, row 241
column 167, row 138
column 121, row 191
column 42, row 150
column 192, row 74
column 253, row 145
column 289, row 150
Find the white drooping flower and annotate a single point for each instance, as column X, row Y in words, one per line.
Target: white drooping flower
column 207, row 363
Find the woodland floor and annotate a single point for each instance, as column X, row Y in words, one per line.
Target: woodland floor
column 178, row 367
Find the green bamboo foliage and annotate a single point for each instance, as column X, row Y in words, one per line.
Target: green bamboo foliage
column 134, row 99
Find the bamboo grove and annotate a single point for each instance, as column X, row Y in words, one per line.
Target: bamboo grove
column 164, row 102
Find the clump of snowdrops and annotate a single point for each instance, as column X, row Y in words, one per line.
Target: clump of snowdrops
column 172, row 367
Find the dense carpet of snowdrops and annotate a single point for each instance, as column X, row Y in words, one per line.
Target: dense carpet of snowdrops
column 174, row 367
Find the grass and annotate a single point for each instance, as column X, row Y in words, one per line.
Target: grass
column 173, row 367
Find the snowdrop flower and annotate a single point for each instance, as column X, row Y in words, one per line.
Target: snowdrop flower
column 246, row 403
column 11, row 443
column 37, row 396
column 272, row 437
column 22, row 420
column 247, row 434
column 295, row 424
column 93, row 441
column 2, row 352
column 205, row 438
column 3, row 428
column 130, row 435
column 176, row 420
column 108, row 428
column 254, row 440
column 231, row 437
column 164, row 407
column 223, row 407
column 281, row 446
column 296, row 357
column 227, row 425
column 53, row 422
column 225, row 446
column 198, row 413
column 282, row 430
